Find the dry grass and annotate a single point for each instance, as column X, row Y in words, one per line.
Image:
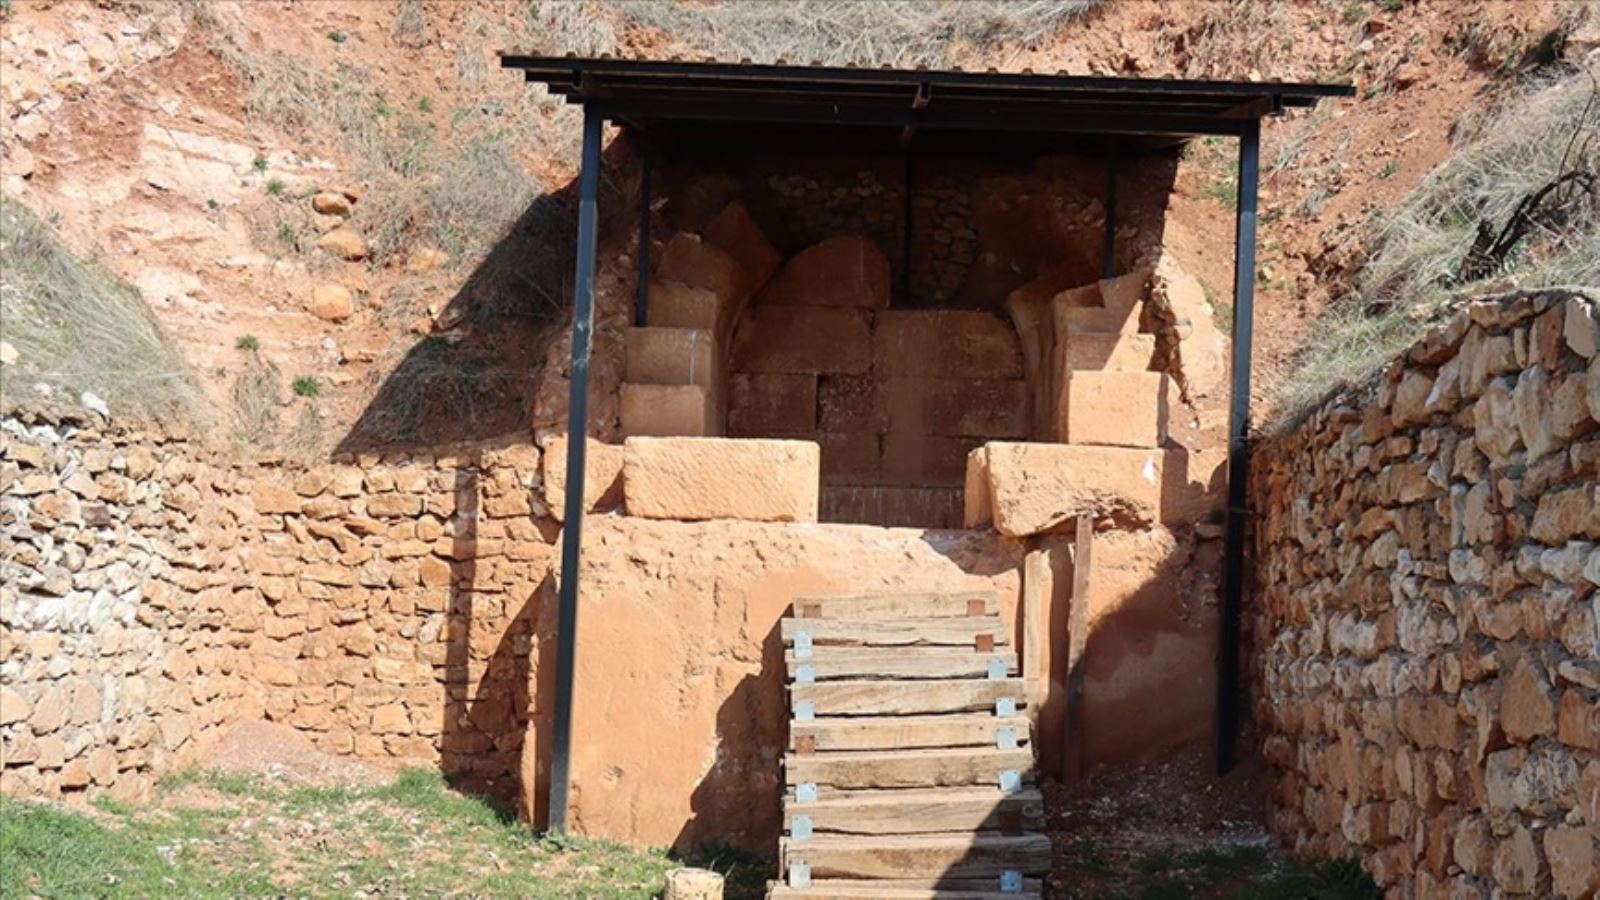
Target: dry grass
column 1411, row 277
column 257, row 394
column 77, row 328
column 844, row 32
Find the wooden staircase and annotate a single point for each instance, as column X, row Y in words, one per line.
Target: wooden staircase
column 910, row 770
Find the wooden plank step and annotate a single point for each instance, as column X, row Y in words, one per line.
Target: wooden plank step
column 850, row 889
column 904, row 732
column 920, row 811
column 830, row 663
column 898, row 604
column 905, row 698
column 965, row 855
column 905, row 631
column 960, row 767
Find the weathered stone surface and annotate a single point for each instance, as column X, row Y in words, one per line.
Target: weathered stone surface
column 685, row 755
column 344, row 243
column 849, row 403
column 662, row 410
column 841, row 271
column 945, row 343
column 1527, row 709
column 737, row 234
column 769, row 405
column 796, row 339
column 1109, row 352
column 956, row 407
column 332, row 302
column 689, row 261
column 695, row 479
column 602, row 477
column 1582, row 327
column 1035, row 488
column 1574, row 857
column 673, row 305
column 657, row 355
column 1119, row 409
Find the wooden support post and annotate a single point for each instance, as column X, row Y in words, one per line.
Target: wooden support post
column 1035, row 583
column 1077, row 640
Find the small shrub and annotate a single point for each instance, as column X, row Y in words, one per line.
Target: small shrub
column 259, row 163
column 1389, row 169
column 306, row 386
column 276, row 187
column 337, row 36
column 425, row 105
column 247, row 342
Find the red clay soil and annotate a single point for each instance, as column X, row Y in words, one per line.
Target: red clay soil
column 277, row 754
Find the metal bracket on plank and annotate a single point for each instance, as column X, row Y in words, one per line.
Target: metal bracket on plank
column 805, row 673
column 805, row 792
column 997, row 669
column 800, row 828
column 1005, row 738
column 802, row 645
column 1010, row 781
column 1010, row 881
column 1005, row 706
column 799, row 874
column 804, row 710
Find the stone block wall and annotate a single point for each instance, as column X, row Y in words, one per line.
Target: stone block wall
column 153, row 591
column 1426, row 623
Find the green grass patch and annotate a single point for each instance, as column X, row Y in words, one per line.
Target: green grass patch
column 211, row 834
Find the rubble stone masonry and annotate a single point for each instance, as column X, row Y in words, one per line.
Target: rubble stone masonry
column 153, row 591
column 1426, row 625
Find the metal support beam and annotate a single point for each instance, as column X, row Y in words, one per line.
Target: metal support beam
column 1244, row 272
column 641, row 292
column 577, row 431
column 1108, row 266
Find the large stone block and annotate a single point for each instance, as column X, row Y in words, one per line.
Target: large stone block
column 841, row 271
column 1035, row 326
column 659, row 410
column 657, row 355
column 892, row 507
column 1117, row 409
column 718, row 478
column 673, row 305
column 1081, row 309
column 772, row 404
column 1035, row 488
column 738, row 235
column 690, row 261
column 850, row 403
column 602, row 477
column 1096, row 351
column 956, row 407
column 854, row 458
column 922, row 460
column 977, row 504
column 802, row 340
column 946, row 342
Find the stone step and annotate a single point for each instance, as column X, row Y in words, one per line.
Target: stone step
column 929, row 856
column 949, row 889
column 905, row 698
column 905, row 732
column 897, row 604
column 981, row 632
column 875, row 769
column 869, row 663
column 919, row 811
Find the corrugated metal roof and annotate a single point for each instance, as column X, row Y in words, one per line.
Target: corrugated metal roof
column 653, row 95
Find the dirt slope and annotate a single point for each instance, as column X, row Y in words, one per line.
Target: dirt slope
column 155, row 136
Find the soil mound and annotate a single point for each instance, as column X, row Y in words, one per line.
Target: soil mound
column 278, row 754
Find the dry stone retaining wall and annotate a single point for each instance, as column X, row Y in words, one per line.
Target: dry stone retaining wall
column 152, row 591
column 1427, row 665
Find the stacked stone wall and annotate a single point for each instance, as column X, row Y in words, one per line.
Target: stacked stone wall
column 1426, row 623
column 153, row 591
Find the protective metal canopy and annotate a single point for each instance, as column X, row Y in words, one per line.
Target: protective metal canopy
column 681, row 107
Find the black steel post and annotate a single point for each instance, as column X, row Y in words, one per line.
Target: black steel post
column 1244, row 272
column 641, row 293
column 577, row 431
column 1108, row 267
